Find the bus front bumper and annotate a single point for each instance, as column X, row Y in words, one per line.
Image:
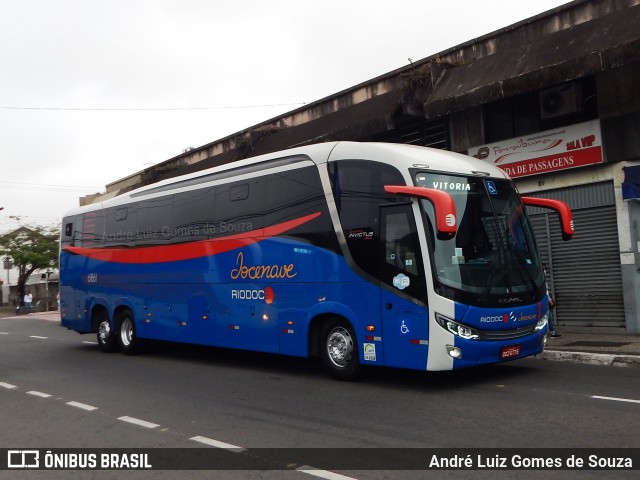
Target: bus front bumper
column 471, row 353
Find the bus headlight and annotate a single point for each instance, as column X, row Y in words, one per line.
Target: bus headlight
column 458, row 329
column 542, row 322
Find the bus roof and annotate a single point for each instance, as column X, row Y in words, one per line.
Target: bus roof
column 400, row 155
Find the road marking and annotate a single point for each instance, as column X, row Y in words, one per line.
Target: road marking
column 137, row 421
column 615, row 399
column 4, row 333
column 322, row 473
column 39, row 394
column 36, row 336
column 90, row 343
column 83, row 406
column 8, row 386
column 218, row 444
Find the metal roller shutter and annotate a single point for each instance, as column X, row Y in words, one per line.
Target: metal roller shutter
column 585, row 272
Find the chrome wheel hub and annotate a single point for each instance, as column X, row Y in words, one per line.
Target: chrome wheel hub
column 340, row 347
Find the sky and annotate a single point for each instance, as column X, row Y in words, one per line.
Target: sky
column 92, row 91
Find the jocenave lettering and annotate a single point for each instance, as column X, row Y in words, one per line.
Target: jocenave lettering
column 256, row 272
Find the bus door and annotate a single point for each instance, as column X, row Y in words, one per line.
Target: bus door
column 403, row 294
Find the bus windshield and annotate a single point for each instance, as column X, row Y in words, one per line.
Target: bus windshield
column 493, row 253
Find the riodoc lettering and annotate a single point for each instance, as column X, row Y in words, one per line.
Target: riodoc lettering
column 495, row 319
column 247, row 294
column 256, row 272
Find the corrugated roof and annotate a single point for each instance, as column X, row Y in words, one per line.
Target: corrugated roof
column 584, row 49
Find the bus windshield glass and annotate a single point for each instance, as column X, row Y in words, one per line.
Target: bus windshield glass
column 493, row 254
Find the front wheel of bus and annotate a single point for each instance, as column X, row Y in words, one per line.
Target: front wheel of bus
column 339, row 351
column 127, row 339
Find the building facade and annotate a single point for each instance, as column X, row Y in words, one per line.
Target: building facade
column 553, row 100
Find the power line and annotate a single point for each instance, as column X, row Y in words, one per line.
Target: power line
column 159, row 109
column 48, row 187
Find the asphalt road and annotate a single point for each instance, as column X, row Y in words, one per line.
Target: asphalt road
column 57, row 390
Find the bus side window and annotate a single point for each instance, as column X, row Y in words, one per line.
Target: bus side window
column 401, row 250
column 68, row 237
column 358, row 193
column 400, row 244
column 192, row 213
column 239, row 207
column 72, row 232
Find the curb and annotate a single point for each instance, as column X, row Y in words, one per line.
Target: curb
column 609, row 359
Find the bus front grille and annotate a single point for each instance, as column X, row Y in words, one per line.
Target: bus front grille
column 507, row 334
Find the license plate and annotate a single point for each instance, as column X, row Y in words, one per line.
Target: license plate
column 510, row 352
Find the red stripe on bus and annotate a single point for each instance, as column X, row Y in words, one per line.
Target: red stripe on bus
column 187, row 251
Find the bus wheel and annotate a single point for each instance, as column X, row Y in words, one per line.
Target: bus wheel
column 127, row 340
column 106, row 336
column 339, row 351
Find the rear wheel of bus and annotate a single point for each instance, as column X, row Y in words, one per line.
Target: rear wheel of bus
column 107, row 339
column 126, row 327
column 339, row 350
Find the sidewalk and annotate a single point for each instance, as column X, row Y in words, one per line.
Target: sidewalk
column 604, row 346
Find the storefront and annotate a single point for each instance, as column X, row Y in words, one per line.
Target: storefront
column 567, row 164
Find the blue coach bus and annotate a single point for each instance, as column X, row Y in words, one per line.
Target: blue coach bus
column 356, row 253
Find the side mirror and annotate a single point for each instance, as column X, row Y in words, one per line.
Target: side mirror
column 561, row 208
column 443, row 204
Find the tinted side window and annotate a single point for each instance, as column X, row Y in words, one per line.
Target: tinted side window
column 92, row 229
column 358, row 190
column 193, row 214
column 119, row 226
column 154, row 221
column 401, row 263
column 71, row 231
column 294, row 194
column 239, row 207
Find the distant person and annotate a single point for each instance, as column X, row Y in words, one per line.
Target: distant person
column 552, row 305
column 28, row 301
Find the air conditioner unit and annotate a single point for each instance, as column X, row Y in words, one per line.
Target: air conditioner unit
column 562, row 100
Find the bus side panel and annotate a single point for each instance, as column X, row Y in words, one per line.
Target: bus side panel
column 299, row 305
column 280, row 280
column 208, row 321
column 405, row 332
column 72, row 309
column 165, row 315
column 74, row 294
column 252, row 322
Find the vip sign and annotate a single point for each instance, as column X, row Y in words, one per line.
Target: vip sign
column 559, row 149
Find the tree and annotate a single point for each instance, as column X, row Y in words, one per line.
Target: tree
column 30, row 249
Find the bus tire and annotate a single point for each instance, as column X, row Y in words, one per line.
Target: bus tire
column 339, row 351
column 126, row 333
column 107, row 339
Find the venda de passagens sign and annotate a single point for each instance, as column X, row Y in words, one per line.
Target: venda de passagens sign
column 565, row 147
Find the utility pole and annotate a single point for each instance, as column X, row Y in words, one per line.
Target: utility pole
column 8, row 265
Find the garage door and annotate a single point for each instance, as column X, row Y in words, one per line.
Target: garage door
column 585, row 272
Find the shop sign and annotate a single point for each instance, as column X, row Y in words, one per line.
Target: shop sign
column 542, row 152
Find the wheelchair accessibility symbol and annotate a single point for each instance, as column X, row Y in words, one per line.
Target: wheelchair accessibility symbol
column 403, row 328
